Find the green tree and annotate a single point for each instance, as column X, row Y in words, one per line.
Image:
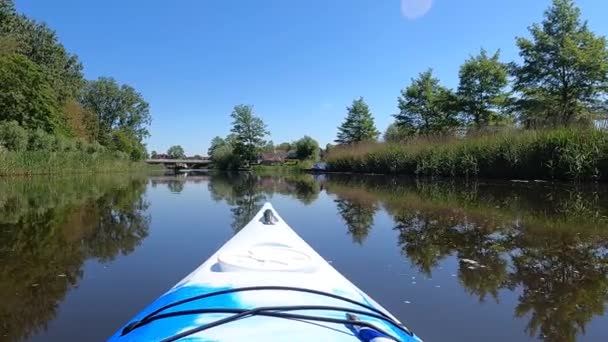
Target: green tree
column 153, row 154
column 359, row 124
column 40, row 44
column 284, row 146
column 249, row 131
column 224, row 158
column 394, row 133
column 481, row 92
column 269, row 147
column 564, row 73
column 26, row 95
column 307, row 148
column 125, row 141
column 426, row 107
column 176, row 152
column 116, row 107
column 215, row 143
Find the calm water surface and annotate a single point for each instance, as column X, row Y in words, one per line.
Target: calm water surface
column 79, row 256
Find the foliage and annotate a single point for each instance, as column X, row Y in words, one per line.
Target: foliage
column 426, row 107
column 125, row 141
column 286, row 146
column 564, row 73
column 26, row 95
column 395, row 133
column 41, row 88
column 176, row 152
column 153, row 154
column 215, row 143
column 115, row 107
column 557, row 154
column 358, row 125
column 79, row 122
column 39, row 140
column 269, row 146
column 481, row 92
column 224, row 158
column 249, row 131
column 41, row 46
column 12, row 136
column 307, row 148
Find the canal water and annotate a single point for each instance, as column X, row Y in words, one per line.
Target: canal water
column 454, row 261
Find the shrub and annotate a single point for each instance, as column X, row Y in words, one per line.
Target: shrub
column 13, row 136
column 39, row 140
column 307, row 148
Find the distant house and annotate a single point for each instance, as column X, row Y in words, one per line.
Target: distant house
column 161, row 156
column 273, row 158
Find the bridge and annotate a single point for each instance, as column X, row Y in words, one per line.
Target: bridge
column 180, row 163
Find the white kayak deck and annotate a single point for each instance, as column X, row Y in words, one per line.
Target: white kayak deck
column 261, row 255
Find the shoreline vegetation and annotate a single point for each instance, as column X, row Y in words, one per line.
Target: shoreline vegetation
column 559, row 154
column 544, row 116
column 52, row 119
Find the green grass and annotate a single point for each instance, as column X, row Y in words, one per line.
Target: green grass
column 43, row 162
column 562, row 154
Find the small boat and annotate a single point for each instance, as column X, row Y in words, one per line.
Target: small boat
column 265, row 284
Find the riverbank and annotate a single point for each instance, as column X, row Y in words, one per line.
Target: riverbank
column 560, row 154
column 49, row 163
column 300, row 166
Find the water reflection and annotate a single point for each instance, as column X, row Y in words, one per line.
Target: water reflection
column 246, row 193
column 551, row 242
column 547, row 241
column 48, row 228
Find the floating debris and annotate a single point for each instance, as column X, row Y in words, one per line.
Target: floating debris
column 437, row 286
column 519, row 181
column 61, row 275
column 34, row 285
column 407, row 302
column 413, row 283
column 472, row 267
column 469, row 261
column 453, row 275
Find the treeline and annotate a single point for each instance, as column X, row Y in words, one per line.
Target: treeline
column 246, row 144
column 561, row 82
column 46, row 104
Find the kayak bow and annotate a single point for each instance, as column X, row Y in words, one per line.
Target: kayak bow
column 265, row 284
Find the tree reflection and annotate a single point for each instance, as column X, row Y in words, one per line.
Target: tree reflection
column 176, row 186
column 246, row 193
column 358, row 216
column 564, row 281
column 549, row 241
column 45, row 240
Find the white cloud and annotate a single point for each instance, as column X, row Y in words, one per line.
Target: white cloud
column 413, row 9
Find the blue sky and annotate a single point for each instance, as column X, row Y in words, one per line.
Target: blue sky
column 299, row 62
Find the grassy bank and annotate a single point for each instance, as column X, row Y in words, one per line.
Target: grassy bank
column 44, row 162
column 564, row 154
